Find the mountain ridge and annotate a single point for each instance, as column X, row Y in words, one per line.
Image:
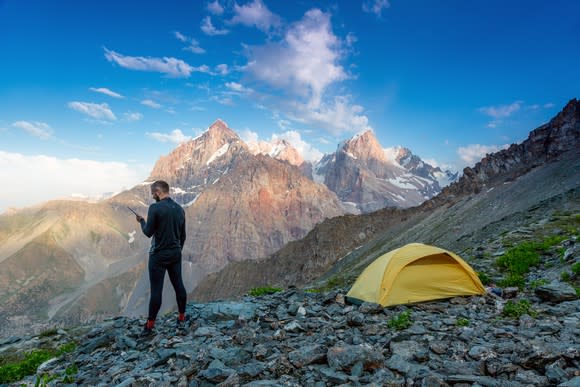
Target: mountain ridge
column 303, row 261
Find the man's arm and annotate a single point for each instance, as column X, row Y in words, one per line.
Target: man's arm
column 182, row 236
column 148, row 227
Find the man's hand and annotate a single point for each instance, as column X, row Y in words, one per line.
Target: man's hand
column 139, row 218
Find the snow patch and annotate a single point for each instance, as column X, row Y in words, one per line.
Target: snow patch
column 190, row 202
column 178, row 191
column 132, row 236
column 219, row 153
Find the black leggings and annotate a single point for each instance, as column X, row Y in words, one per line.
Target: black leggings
column 157, row 266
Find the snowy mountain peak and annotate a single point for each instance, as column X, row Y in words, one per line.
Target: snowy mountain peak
column 279, row 149
column 364, row 146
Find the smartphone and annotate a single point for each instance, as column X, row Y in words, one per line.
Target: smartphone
column 130, row 209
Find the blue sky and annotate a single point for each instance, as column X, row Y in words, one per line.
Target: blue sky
column 93, row 92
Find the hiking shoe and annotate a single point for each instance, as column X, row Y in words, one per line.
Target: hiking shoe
column 182, row 326
column 146, row 332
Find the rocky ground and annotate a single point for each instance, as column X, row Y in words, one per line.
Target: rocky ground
column 298, row 338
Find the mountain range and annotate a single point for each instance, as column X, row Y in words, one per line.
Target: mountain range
column 74, row 260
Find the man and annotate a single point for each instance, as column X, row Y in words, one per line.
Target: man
column 166, row 224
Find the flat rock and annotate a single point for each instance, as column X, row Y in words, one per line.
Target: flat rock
column 556, row 292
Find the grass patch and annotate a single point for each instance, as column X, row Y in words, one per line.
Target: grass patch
column 400, row 321
column 565, row 276
column 264, row 290
column 48, row 332
column 484, row 278
column 576, row 268
column 462, row 322
column 18, row 369
column 518, row 260
column 331, row 283
column 518, row 309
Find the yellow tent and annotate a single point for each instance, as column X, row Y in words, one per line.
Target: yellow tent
column 414, row 273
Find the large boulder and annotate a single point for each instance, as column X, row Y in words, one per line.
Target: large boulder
column 556, row 292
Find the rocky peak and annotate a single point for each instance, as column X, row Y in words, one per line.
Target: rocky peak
column 190, row 161
column 278, row 149
column 219, row 130
column 545, row 143
column 364, row 146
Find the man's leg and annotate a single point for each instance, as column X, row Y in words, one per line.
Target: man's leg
column 174, row 271
column 156, row 277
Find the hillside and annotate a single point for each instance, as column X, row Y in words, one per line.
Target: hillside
column 502, row 187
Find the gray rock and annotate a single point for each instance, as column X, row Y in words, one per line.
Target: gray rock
column 334, row 376
column 555, row 372
column 251, row 370
column 307, row 355
column 293, row 326
column 406, row 368
column 481, row 352
column 264, row 383
column 230, row 356
column 97, row 342
column 345, row 356
column 556, row 292
column 221, row 311
column 355, row 319
column 216, row 374
column 530, row 377
column 485, row 381
column 370, row 308
column 406, row 349
column 574, row 382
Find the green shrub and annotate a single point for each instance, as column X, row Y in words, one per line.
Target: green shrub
column 18, row 369
column 15, row 371
column 400, row 321
column 256, row 292
column 484, row 278
column 565, row 276
column 519, row 259
column 462, row 322
column 576, row 268
column 517, row 309
column 513, row 280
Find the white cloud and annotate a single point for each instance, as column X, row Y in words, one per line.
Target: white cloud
column 248, row 136
column 375, row 6
column 193, row 43
column 501, row 111
column 100, row 111
column 38, row 129
column 223, row 100
column 255, row 14
column 337, row 117
column 475, row 152
column 133, row 116
column 306, row 61
column 104, row 90
column 175, row 136
column 237, row 87
column 208, row 28
column 38, row 178
column 180, row 37
column 170, row 66
column 548, row 105
column 215, row 7
column 222, row 69
column 151, row 103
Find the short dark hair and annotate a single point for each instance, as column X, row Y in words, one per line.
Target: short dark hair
column 160, row 184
